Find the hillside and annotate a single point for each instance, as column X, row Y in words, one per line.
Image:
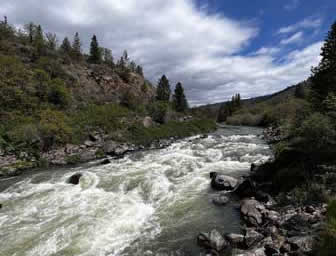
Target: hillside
column 60, row 105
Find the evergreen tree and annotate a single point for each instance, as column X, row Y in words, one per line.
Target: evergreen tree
column 76, row 46
column 163, row 90
column 139, row 70
column 125, row 57
column 51, row 41
column 39, row 42
column 108, row 58
column 66, row 46
column 30, row 30
column 132, row 66
column 179, row 99
column 324, row 75
column 95, row 52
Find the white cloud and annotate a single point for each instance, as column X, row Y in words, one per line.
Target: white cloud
column 178, row 39
column 267, row 51
column 308, row 23
column 296, row 38
column 293, row 4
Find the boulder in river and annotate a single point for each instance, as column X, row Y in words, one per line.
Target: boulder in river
column 223, row 182
column 105, row 161
column 213, row 240
column 0, row 206
column 220, row 199
column 74, row 179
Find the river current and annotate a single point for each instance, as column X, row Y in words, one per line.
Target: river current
column 147, row 203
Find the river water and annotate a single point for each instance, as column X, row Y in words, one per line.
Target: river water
column 148, row 203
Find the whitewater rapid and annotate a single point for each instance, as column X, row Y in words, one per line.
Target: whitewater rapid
column 147, row 203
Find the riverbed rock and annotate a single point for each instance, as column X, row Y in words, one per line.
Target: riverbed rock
column 147, row 122
column 235, row 240
column 213, row 240
column 105, row 161
column 250, row 210
column 304, row 244
column 74, row 179
column 223, row 182
column 220, row 199
column 247, row 188
column 110, row 147
column 252, row 237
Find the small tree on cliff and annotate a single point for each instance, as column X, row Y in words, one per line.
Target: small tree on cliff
column 76, row 47
column 179, row 98
column 95, row 52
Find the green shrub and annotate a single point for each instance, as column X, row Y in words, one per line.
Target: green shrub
column 54, row 128
column 158, row 111
column 317, row 131
column 73, row 159
column 58, row 94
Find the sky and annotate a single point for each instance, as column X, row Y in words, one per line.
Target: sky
column 215, row 48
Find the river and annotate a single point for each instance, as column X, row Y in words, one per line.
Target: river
column 147, row 203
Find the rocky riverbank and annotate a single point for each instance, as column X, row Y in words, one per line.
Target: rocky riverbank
column 270, row 225
column 98, row 146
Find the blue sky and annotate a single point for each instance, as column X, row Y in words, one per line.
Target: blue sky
column 216, row 48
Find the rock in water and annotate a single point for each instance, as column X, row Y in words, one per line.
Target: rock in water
column 212, row 240
column 0, row 206
column 104, row 162
column 74, row 179
column 220, row 199
column 223, row 182
column 236, row 240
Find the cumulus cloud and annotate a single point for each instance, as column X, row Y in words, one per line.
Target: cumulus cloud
column 176, row 38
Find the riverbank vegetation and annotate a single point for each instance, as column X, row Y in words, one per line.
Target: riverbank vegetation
column 55, row 94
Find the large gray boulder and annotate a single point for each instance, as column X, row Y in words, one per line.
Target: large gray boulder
column 213, row 240
column 223, row 182
column 250, row 210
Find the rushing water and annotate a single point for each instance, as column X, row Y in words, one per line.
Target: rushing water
column 148, row 203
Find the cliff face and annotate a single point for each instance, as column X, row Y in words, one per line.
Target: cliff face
column 100, row 84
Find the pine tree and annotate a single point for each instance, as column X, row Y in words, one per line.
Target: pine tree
column 125, row 57
column 132, row 66
column 139, row 70
column 95, row 52
column 51, row 41
column 76, row 46
column 324, row 75
column 179, row 98
column 30, row 30
column 163, row 90
column 108, row 58
column 39, row 42
column 66, row 46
